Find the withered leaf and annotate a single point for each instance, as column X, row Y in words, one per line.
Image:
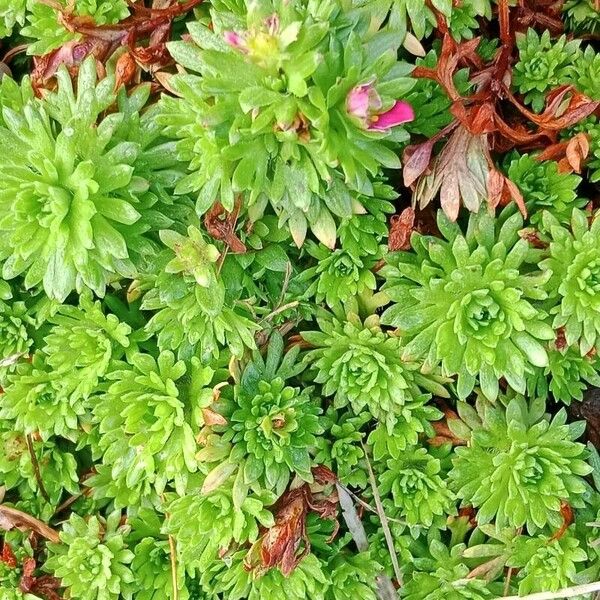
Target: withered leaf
column 416, row 161
column 213, row 418
column 11, row 518
column 569, row 154
column 401, row 228
column 286, row 543
column 101, row 41
column 565, row 107
column 459, row 174
column 220, row 224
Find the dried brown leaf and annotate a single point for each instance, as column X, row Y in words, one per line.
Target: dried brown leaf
column 11, row 518
column 459, row 174
column 221, row 224
column 401, row 228
column 416, row 161
column 213, row 418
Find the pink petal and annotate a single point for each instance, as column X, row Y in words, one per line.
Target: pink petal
column 235, row 40
column 401, row 112
column 357, row 101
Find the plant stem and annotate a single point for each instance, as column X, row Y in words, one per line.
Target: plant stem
column 36, row 469
column 383, row 518
column 507, row 581
column 173, row 567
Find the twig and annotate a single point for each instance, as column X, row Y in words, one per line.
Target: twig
column 222, row 259
column 172, row 558
column 383, row 518
column 569, row 592
column 36, row 469
column 286, row 281
column 509, row 575
column 13, row 52
column 12, row 518
column 510, row 572
column 70, row 500
column 173, row 567
column 281, row 309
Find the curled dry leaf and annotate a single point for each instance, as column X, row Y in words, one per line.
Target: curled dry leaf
column 164, row 79
column 352, row 520
column 125, row 70
column 531, row 235
column 502, row 190
column 545, row 14
column 489, row 570
column 401, row 228
column 279, row 545
column 43, row 586
column 413, row 45
column 101, row 41
column 565, row 106
column 443, row 433
column 569, row 154
column 463, row 172
column 11, row 518
column 134, row 291
column 220, row 224
column 566, row 512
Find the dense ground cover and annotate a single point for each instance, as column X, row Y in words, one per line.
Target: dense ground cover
column 300, row 299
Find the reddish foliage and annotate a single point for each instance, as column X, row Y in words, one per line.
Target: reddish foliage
column 501, row 190
column 566, row 512
column 286, row 543
column 125, row 70
column 401, row 228
column 7, row 556
column 480, row 125
column 220, row 224
column 101, row 41
column 545, row 14
column 561, row 340
column 470, row 513
column 443, row 434
column 44, row 586
column 532, row 237
column 569, row 154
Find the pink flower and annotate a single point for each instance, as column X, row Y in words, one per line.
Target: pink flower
column 401, row 112
column 235, row 40
column 363, row 102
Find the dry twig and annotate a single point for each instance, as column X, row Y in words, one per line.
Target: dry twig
column 36, row 469
column 383, row 518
